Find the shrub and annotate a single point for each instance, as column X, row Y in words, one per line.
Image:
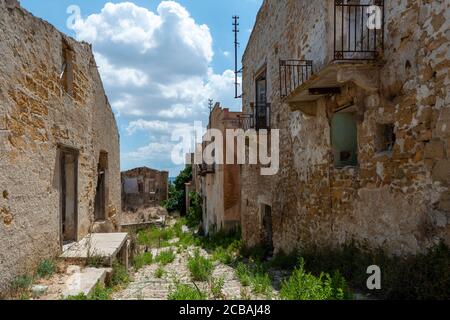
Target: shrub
column 243, row 274
column 222, row 255
column 423, row 276
column 46, row 269
column 142, row 260
column 194, row 216
column 305, row 286
column 201, row 268
column 231, row 241
column 176, row 201
column 22, row 283
column 120, row 275
column 186, row 292
column 261, row 283
column 165, row 257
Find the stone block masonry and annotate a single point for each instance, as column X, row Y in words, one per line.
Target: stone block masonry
column 395, row 194
column 59, row 143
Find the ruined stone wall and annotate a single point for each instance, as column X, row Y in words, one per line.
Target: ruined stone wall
column 36, row 116
column 154, row 188
column 399, row 201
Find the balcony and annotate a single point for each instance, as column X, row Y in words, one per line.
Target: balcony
column 358, row 30
column 355, row 59
column 258, row 120
column 292, row 74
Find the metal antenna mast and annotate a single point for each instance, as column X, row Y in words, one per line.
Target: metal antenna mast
column 210, row 103
column 236, row 45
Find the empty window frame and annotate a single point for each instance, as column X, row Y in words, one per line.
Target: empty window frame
column 344, row 139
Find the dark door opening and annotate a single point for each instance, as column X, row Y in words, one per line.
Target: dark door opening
column 69, row 194
column 267, row 228
column 100, row 193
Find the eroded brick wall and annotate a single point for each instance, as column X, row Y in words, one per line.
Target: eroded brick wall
column 37, row 115
column 398, row 201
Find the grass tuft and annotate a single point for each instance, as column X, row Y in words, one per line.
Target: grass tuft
column 201, row 268
column 165, row 257
column 142, row 260
column 46, row 269
column 185, row 292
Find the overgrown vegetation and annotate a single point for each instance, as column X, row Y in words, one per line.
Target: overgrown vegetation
column 194, row 215
column 186, row 292
column 120, row 276
column 176, row 198
column 422, row 276
column 165, row 257
column 201, row 268
column 100, row 293
column 46, row 269
column 305, row 286
column 254, row 276
column 160, row 272
column 155, row 237
column 142, row 260
column 217, row 287
column 22, row 284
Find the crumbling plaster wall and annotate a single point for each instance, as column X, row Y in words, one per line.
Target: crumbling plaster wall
column 36, row 116
column 399, row 201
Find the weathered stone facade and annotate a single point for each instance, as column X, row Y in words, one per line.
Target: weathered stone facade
column 220, row 183
column 398, row 199
column 58, row 136
column 144, row 188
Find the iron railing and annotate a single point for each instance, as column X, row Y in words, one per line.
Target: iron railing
column 292, row 74
column 258, row 120
column 246, row 121
column 358, row 29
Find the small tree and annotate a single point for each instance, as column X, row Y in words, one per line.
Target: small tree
column 177, row 192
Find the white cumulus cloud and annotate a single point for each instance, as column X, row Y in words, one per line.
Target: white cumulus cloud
column 156, row 67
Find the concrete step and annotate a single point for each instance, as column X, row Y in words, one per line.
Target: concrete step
column 84, row 281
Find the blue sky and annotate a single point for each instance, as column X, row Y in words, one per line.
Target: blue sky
column 160, row 61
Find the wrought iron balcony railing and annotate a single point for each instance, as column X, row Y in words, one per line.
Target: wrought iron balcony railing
column 358, row 29
column 292, row 74
column 246, row 121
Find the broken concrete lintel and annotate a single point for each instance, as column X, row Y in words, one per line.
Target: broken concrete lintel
column 367, row 80
column 307, row 107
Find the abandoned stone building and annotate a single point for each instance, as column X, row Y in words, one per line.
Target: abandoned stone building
column 220, row 183
column 144, row 188
column 360, row 91
column 59, row 144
